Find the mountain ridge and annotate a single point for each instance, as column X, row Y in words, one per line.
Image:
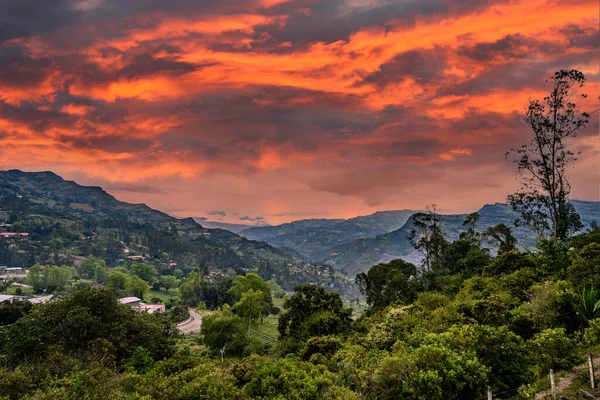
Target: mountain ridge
column 87, row 220
column 361, row 254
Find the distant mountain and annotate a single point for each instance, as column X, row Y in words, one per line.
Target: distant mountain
column 235, row 228
column 67, row 220
column 312, row 236
column 359, row 255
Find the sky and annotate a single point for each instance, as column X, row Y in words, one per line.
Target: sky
column 267, row 111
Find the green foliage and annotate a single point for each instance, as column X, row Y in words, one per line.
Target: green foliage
column 553, row 259
column 591, row 336
column 585, row 269
column 503, row 237
column 244, row 283
column 384, row 284
column 288, row 379
column 224, row 330
column 552, row 304
column 118, row 280
column 499, row 349
column 137, row 287
column 276, row 290
column 431, row 372
column 145, row 271
column 250, row 306
column 552, row 348
column 588, row 305
column 324, row 345
column 81, row 321
column 194, row 289
column 508, row 262
column 87, row 268
column 10, row 312
column 312, row 311
column 427, row 236
column 141, row 361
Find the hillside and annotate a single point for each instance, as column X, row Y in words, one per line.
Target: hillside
column 313, row 236
column 66, row 221
column 359, row 255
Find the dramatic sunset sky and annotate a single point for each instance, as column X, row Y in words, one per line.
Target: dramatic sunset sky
column 275, row 110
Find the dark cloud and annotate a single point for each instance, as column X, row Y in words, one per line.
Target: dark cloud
column 253, row 219
column 219, row 213
column 424, row 66
column 511, row 47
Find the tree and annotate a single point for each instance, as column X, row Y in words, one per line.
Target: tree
column 251, row 306
column 471, row 235
column 118, row 280
column 137, row 287
column 87, row 321
column 145, row 271
column 224, row 331
column 427, row 236
column 54, row 278
column 543, row 200
column 244, row 283
column 34, row 278
column 386, row 283
column 312, row 311
column 503, row 237
column 87, row 268
column 168, row 282
column 5, row 284
column 177, row 273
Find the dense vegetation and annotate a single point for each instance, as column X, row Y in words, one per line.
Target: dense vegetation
column 447, row 333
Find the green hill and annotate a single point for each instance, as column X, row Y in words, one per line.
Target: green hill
column 67, row 221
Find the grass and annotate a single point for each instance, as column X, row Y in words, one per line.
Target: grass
column 269, row 326
column 163, row 296
column 24, row 291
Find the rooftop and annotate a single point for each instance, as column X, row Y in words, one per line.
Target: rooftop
column 5, row 297
column 127, row 300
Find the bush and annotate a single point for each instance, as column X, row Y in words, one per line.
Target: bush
column 591, row 337
column 552, row 348
column 325, row 345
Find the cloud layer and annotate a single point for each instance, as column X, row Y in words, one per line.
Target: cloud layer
column 281, row 109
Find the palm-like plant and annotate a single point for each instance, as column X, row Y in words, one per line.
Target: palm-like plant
column 589, row 305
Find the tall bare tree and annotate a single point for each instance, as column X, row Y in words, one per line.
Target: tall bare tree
column 543, row 200
column 427, row 236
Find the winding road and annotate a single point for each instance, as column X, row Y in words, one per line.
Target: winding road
column 191, row 325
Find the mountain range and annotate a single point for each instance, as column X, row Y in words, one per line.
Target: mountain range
column 66, row 221
column 310, row 237
column 354, row 245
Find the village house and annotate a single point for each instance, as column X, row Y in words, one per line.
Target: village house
column 13, row 235
column 136, row 303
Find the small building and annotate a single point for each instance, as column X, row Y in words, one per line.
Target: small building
column 131, row 301
column 13, row 235
column 136, row 258
column 40, row 299
column 136, row 303
column 7, row 298
column 153, row 308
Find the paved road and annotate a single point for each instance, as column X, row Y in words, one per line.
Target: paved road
column 193, row 325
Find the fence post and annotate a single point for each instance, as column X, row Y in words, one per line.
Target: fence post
column 490, row 397
column 553, row 384
column 591, row 366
